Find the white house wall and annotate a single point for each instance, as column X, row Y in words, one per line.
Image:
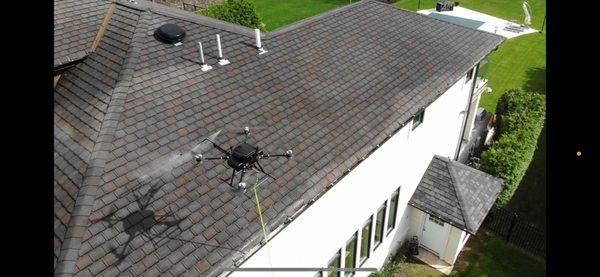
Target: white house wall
column 453, row 245
column 313, row 238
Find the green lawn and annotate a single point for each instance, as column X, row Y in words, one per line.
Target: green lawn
column 278, row 13
column 484, row 255
column 488, row 255
column 519, row 63
column 507, row 9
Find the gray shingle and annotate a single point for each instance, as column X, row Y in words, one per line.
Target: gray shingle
column 338, row 85
column 456, row 193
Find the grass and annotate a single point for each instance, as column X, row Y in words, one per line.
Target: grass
column 509, row 10
column 530, row 198
column 400, row 267
column 278, row 13
column 484, row 255
column 488, row 255
column 518, row 62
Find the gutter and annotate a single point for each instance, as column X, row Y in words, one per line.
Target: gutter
column 59, row 69
column 468, row 111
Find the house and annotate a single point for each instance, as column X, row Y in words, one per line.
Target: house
column 374, row 101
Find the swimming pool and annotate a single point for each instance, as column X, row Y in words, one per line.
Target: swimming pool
column 470, row 23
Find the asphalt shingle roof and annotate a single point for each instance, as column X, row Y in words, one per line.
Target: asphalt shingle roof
column 456, row 193
column 331, row 88
column 76, row 23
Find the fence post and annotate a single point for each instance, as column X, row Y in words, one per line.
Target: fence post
column 512, row 226
column 543, row 24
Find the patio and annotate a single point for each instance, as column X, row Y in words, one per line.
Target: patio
column 480, row 21
column 433, row 261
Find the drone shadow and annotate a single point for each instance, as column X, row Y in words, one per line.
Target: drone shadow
column 143, row 222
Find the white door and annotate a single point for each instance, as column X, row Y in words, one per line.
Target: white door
column 434, row 234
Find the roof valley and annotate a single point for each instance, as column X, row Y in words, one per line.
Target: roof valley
column 79, row 221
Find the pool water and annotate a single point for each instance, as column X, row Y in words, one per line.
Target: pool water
column 470, row 23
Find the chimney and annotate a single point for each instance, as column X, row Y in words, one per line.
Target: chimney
column 258, row 42
column 222, row 61
column 205, row 67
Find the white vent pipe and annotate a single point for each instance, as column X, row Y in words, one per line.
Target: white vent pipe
column 258, row 42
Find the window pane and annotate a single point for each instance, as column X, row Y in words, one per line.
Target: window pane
column 350, row 255
column 334, row 263
column 469, row 75
column 379, row 224
column 365, row 240
column 393, row 210
column 418, row 119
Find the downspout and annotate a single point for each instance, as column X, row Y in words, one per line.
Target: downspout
column 466, row 117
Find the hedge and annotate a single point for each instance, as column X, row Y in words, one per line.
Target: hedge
column 520, row 119
column 240, row 12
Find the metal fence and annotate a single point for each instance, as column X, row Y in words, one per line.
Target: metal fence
column 516, row 231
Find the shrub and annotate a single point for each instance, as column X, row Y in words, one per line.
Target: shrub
column 388, row 270
column 521, row 117
column 240, row 12
column 392, row 267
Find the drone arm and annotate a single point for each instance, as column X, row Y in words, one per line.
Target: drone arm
column 218, row 147
column 199, row 158
column 288, row 154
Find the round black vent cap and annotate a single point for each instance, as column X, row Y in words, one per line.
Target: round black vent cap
column 169, row 33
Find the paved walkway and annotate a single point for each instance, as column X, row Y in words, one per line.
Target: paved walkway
column 477, row 20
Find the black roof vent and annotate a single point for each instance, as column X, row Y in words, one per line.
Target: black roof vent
column 169, row 33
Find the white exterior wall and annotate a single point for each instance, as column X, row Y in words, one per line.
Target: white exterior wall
column 453, row 245
column 313, row 238
column 455, row 238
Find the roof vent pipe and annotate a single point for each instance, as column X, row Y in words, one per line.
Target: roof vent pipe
column 258, row 43
column 205, row 67
column 222, row 61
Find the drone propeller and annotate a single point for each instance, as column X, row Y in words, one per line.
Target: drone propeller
column 244, row 130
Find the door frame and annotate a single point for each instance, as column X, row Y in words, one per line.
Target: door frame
column 446, row 233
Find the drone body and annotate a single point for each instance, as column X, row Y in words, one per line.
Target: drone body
column 241, row 158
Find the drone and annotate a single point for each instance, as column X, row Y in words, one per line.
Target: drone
column 241, row 158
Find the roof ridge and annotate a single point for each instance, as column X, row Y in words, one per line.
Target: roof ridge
column 459, row 197
column 165, row 10
column 79, row 222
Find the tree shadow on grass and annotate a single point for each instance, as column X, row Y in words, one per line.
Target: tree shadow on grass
column 536, row 80
column 529, row 200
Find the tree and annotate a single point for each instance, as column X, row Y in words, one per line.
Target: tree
column 240, row 12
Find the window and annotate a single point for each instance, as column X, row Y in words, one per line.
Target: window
column 350, row 255
column 418, row 119
column 365, row 240
column 379, row 224
column 393, row 210
column 469, row 75
column 334, row 263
